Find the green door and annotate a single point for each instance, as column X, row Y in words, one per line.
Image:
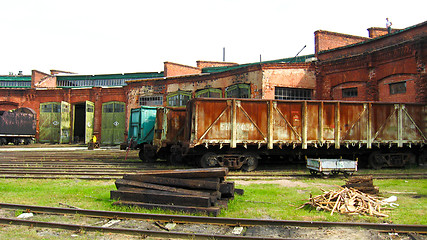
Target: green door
column 65, row 124
column 113, row 123
column 90, row 106
column 50, row 122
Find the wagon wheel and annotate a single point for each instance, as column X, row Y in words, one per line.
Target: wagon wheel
column 251, row 162
column 422, row 158
column 411, row 160
column 335, row 173
column 313, row 172
column 147, row 154
column 208, row 160
column 174, row 159
column 348, row 174
column 375, row 160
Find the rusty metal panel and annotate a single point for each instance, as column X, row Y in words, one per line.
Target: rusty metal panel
column 353, row 122
column 287, row 122
column 169, row 126
column 384, row 123
column 273, row 123
column 212, row 120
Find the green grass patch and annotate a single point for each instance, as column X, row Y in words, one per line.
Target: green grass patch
column 264, row 200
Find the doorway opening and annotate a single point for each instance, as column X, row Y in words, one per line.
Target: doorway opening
column 79, row 123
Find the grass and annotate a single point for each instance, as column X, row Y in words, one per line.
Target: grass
column 266, row 200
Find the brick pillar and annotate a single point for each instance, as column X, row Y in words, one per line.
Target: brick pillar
column 421, row 80
column 372, row 93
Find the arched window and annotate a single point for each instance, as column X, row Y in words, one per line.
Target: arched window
column 238, row 91
column 209, row 93
column 178, row 99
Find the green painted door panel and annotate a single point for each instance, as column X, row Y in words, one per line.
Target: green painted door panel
column 90, row 114
column 113, row 123
column 50, row 122
column 65, row 125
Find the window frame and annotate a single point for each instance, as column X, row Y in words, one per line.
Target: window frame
column 397, row 88
column 152, row 100
column 239, row 87
column 178, row 97
column 208, row 90
column 285, row 93
column 350, row 92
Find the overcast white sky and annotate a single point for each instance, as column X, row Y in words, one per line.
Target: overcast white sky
column 103, row 36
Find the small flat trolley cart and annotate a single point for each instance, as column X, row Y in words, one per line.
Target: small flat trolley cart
column 331, row 166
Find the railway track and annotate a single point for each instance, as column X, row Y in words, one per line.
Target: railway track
column 107, row 172
column 181, row 219
column 112, row 164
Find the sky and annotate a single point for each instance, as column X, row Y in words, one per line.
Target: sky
column 103, row 36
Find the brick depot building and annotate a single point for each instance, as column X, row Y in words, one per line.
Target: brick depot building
column 73, row 108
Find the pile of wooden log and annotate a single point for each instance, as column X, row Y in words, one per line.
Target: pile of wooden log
column 348, row 201
column 362, row 183
column 189, row 190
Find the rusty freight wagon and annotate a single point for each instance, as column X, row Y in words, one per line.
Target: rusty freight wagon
column 169, row 133
column 239, row 132
column 17, row 126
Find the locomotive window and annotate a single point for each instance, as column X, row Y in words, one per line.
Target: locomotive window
column 349, row 92
column 396, row 88
column 209, row 93
column 178, row 99
column 282, row 93
column 156, row 100
column 238, row 91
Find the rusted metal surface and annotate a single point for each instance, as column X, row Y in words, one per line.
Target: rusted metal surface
column 304, row 124
column 169, row 126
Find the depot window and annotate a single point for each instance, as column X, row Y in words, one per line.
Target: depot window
column 178, row 99
column 396, row 88
column 112, row 107
column 238, row 91
column 282, row 93
column 209, row 93
column 156, row 100
column 349, row 92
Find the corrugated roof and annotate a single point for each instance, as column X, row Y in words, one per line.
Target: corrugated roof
column 298, row 59
column 129, row 76
column 26, row 78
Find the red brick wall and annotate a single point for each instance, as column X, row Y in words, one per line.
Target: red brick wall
column 415, row 32
column 42, row 80
column 411, row 88
column 32, row 98
column 325, row 40
column 376, row 63
column 361, row 91
column 175, row 69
